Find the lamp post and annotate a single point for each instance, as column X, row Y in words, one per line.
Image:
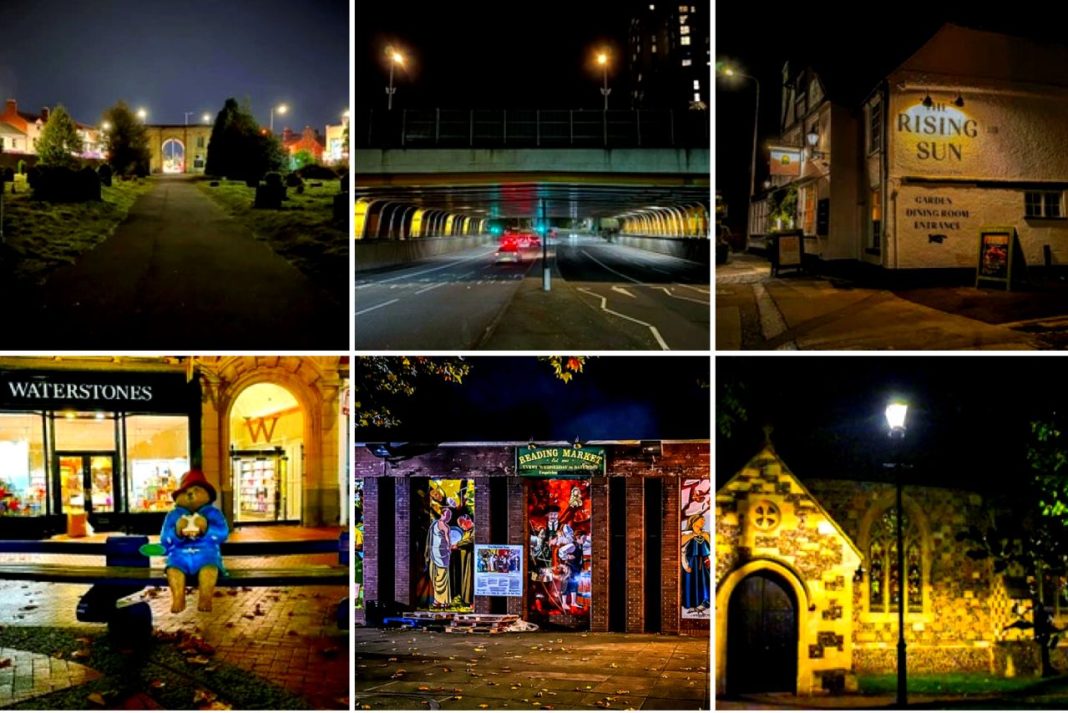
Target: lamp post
column 602, row 59
column 205, row 117
column 395, row 58
column 731, row 72
column 895, row 419
column 281, row 109
column 187, row 115
column 142, row 114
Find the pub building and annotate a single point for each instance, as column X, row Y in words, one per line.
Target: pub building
column 107, row 439
column 905, row 172
column 601, row 536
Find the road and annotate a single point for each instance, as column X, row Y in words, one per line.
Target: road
column 611, row 296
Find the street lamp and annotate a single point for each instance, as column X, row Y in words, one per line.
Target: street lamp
column 731, row 72
column 602, row 59
column 281, row 109
column 395, row 58
column 896, row 411
column 206, row 118
column 142, row 114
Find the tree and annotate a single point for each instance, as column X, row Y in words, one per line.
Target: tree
column 239, row 149
column 302, row 158
column 1027, row 535
column 59, row 143
column 127, row 142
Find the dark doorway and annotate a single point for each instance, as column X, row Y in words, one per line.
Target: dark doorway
column 617, row 554
column 387, row 539
column 498, row 514
column 762, row 636
column 654, row 524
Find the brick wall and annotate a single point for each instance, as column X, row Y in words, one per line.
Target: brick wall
column 482, row 530
column 403, row 574
column 600, row 553
column 635, row 553
column 370, row 544
column 517, row 528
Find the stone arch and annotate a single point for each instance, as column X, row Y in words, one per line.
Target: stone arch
column 804, row 606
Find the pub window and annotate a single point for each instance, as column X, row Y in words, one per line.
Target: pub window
column 876, row 219
column 875, row 127
column 1042, row 204
column 884, row 585
column 808, row 210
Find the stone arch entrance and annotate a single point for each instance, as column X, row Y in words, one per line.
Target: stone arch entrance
column 762, row 635
column 267, row 454
column 173, row 151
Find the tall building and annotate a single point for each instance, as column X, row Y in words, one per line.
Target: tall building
column 669, row 55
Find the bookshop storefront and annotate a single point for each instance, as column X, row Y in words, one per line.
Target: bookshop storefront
column 110, row 447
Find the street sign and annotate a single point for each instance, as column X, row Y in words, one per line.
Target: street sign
column 555, row 461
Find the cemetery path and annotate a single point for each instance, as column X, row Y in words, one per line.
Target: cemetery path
column 181, row 274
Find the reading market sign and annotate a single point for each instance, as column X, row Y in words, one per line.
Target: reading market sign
column 551, row 461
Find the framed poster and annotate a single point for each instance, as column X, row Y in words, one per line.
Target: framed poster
column 995, row 256
column 498, row 570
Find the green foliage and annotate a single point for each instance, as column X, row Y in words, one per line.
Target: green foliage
column 379, row 379
column 239, row 149
column 565, row 367
column 782, row 206
column 59, row 143
column 731, row 412
column 127, row 142
column 302, row 158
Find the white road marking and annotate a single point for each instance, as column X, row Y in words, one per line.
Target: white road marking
column 694, row 288
column 371, row 309
column 669, row 293
column 617, row 288
column 432, row 269
column 617, row 272
column 604, row 303
column 644, row 284
column 432, row 287
column 772, row 323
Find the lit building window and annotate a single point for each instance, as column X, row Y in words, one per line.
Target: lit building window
column 697, row 96
column 683, row 8
column 685, row 30
column 682, row 19
column 685, row 40
column 686, row 62
column 1042, row 204
column 697, row 84
column 654, row 49
column 884, row 588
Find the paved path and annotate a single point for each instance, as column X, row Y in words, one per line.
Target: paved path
column 181, row 274
column 567, row 671
column 25, row 675
column 286, row 635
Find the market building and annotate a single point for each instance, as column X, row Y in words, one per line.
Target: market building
column 604, row 536
column 108, row 439
column 964, row 135
column 808, row 589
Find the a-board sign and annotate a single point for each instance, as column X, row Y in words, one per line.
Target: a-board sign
column 787, row 251
column 996, row 247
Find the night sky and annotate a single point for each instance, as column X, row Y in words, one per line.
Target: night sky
column 857, row 48
column 516, row 398
column 174, row 56
column 481, row 54
column 968, row 422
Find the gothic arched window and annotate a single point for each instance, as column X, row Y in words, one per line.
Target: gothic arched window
column 884, row 590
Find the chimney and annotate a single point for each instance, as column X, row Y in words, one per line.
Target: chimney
column 11, row 107
column 44, row 113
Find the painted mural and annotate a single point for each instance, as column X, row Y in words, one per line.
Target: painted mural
column 448, row 579
column 558, row 559
column 695, row 584
column 358, row 529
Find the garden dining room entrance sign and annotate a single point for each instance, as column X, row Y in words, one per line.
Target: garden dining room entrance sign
column 554, row 461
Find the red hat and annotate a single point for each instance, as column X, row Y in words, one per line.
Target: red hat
column 194, row 477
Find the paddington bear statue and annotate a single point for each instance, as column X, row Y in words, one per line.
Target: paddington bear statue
column 191, row 535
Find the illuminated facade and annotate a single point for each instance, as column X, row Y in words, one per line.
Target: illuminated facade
column 806, row 574
column 178, row 148
column 19, row 131
column 308, row 140
column 965, row 134
column 337, row 149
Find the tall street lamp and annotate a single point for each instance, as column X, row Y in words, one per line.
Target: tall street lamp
column 895, row 419
column 142, row 114
column 206, row 118
column 281, row 109
column 731, row 72
column 602, row 59
column 395, row 58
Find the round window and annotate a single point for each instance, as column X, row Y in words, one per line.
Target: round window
column 766, row 515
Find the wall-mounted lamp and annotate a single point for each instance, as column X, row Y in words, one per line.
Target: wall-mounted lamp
column 767, row 183
column 578, row 443
column 813, row 137
column 858, row 576
column 928, row 101
column 959, row 101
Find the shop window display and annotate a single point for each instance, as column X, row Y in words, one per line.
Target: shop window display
column 158, row 454
column 23, row 487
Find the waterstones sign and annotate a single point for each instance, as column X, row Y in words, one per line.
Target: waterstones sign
column 60, row 390
column 553, row 461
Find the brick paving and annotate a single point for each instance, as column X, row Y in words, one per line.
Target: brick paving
column 25, row 675
column 287, row 635
column 417, row 669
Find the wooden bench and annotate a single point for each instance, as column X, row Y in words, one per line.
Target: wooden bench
column 126, row 571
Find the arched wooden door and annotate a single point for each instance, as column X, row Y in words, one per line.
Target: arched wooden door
column 762, row 636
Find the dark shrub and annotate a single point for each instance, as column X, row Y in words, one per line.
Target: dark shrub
column 33, row 177
column 342, row 208
column 314, row 170
column 293, row 180
column 300, row 189
column 59, row 184
column 7, row 175
column 252, row 181
column 105, row 174
column 273, row 179
column 214, row 184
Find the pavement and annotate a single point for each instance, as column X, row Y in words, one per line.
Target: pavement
column 179, row 273
column 398, row 669
column 757, row 311
column 285, row 635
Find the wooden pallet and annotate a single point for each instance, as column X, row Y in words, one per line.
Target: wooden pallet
column 475, row 630
column 485, row 618
column 429, row 615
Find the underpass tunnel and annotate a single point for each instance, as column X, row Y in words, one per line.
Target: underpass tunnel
column 689, row 220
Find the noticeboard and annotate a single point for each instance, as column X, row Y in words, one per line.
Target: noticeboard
column 994, row 262
column 498, row 570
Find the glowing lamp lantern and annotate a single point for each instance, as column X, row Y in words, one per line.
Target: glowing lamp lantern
column 896, row 412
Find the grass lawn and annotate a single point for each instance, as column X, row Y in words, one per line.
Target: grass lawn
column 42, row 236
column 157, row 670
column 957, row 684
column 302, row 231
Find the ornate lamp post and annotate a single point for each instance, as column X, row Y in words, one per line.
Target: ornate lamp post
column 895, row 419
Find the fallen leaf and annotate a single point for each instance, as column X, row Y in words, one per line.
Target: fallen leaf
column 96, row 699
column 80, row 654
column 197, row 660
